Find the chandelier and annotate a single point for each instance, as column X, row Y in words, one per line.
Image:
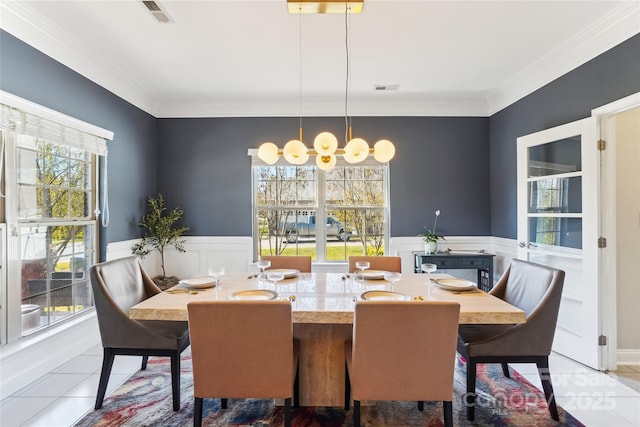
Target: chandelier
column 325, row 144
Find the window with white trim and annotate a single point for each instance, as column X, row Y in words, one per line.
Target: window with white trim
column 51, row 211
column 352, row 201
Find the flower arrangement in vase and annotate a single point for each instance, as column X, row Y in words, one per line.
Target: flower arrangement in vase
column 430, row 237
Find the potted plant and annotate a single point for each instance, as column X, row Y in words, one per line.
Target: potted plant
column 160, row 232
column 430, row 237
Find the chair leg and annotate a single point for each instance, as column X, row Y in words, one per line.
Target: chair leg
column 296, row 389
column 505, row 369
column 107, row 364
column 356, row 413
column 223, row 403
column 347, row 389
column 197, row 411
column 145, row 359
column 175, row 380
column 287, row 412
column 471, row 389
column 420, row 405
column 448, row 413
column 545, row 377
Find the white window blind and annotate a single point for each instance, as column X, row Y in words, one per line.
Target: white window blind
column 27, row 118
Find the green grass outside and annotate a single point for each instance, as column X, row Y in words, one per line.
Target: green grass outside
column 334, row 253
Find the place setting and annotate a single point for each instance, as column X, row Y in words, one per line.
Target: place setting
column 197, row 284
column 451, row 284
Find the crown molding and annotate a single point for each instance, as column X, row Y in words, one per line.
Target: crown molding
column 19, row 20
column 615, row 27
column 327, row 106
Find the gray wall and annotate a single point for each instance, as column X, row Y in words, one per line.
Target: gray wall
column 441, row 163
column 466, row 167
column 28, row 73
column 608, row 77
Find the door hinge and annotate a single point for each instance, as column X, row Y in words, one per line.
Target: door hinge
column 602, row 340
column 602, row 242
column 602, row 145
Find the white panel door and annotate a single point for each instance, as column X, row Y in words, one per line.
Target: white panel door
column 558, row 226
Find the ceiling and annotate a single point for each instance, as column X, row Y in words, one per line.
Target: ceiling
column 252, row 58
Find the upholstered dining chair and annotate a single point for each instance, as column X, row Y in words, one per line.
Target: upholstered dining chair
column 242, row 349
column 536, row 289
column 385, row 263
column 298, row 262
column 117, row 286
column 402, row 351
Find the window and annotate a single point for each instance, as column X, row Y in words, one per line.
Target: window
column 55, row 194
column 289, row 201
column 50, row 176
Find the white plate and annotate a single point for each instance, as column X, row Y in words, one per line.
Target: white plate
column 288, row 272
column 254, row 295
column 383, row 296
column 455, row 284
column 199, row 282
column 371, row 274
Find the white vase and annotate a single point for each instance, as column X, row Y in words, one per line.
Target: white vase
column 431, row 247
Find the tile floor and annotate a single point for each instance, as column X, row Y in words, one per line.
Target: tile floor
column 62, row 397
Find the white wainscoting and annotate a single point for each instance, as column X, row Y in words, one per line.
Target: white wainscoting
column 234, row 253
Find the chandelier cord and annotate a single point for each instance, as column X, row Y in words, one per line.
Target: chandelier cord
column 346, row 85
column 300, row 69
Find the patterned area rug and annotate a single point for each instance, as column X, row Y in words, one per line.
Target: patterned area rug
column 145, row 400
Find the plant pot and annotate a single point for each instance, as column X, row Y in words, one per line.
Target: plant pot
column 431, row 247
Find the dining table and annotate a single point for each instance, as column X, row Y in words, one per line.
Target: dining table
column 322, row 313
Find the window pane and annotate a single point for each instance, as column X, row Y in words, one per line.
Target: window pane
column 563, row 195
column 27, row 167
column 566, row 232
column 286, row 232
column 55, row 280
column 554, row 158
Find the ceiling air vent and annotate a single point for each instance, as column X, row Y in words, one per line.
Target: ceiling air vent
column 156, row 11
column 386, row 87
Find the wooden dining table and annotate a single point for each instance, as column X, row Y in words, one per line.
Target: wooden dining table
column 322, row 310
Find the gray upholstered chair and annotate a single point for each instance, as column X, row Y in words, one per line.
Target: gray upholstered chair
column 117, row 286
column 242, row 349
column 402, row 351
column 537, row 290
column 298, row 262
column 385, row 263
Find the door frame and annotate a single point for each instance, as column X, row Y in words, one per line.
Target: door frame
column 605, row 115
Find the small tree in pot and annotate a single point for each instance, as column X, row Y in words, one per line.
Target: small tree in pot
column 159, row 232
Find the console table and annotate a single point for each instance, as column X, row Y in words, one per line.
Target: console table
column 452, row 261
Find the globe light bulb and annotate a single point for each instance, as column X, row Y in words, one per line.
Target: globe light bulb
column 356, row 150
column 326, row 162
column 268, row 153
column 325, row 143
column 383, row 151
column 295, row 152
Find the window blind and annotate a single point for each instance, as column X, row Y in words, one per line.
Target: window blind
column 24, row 117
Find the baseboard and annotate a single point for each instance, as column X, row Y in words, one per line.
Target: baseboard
column 628, row 356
